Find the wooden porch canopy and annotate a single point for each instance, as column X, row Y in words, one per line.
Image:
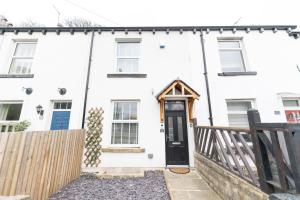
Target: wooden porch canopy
column 177, row 89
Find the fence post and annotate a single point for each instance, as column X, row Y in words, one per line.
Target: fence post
column 292, row 140
column 260, row 152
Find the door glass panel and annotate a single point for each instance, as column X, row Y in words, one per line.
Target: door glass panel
column 180, row 129
column 174, row 105
column 171, row 129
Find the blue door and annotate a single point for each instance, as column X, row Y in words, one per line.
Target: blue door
column 60, row 120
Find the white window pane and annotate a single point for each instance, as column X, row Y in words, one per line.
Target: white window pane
column 126, row 111
column 238, row 120
column 116, row 134
column 127, row 64
column 291, row 103
column 10, row 112
column 133, row 111
column 128, row 49
column 238, row 106
column 228, row 44
column 25, row 49
column 117, row 111
column 3, row 111
column 125, row 133
column 232, row 61
column 20, row 66
column 133, row 133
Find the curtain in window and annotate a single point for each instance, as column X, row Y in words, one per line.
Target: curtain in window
column 128, row 57
column 128, row 49
column 25, row 49
column 3, row 111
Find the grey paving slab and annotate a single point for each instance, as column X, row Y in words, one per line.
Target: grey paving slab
column 189, row 186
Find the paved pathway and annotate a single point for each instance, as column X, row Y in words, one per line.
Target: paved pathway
column 189, row 186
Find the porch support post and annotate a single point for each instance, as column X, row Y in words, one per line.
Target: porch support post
column 161, row 102
column 190, row 109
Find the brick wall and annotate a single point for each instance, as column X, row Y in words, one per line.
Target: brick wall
column 226, row 184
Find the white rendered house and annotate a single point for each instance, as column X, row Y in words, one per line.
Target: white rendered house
column 150, row 81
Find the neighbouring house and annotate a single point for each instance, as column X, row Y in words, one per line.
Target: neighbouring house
column 150, row 81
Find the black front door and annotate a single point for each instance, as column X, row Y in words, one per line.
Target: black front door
column 177, row 152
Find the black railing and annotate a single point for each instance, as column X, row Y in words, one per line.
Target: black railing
column 266, row 155
column 277, row 153
column 228, row 147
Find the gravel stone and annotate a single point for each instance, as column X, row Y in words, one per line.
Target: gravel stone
column 90, row 187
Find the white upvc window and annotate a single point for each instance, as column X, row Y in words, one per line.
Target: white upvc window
column 291, row 103
column 231, row 55
column 237, row 111
column 22, row 58
column 9, row 115
column 62, row 105
column 128, row 54
column 125, row 123
column 292, row 109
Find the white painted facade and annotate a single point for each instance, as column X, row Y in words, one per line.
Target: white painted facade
column 61, row 61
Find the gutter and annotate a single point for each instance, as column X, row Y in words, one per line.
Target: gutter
column 87, row 79
column 206, row 80
column 194, row 29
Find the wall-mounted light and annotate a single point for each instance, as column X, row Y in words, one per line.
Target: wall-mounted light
column 40, row 110
column 62, row 91
column 28, row 91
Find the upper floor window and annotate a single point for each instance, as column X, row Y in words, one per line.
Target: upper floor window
column 22, row 58
column 231, row 55
column 237, row 112
column 125, row 122
column 128, row 57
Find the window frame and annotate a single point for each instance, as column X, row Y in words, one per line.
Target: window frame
column 63, row 101
column 13, row 57
column 12, row 102
column 253, row 106
column 137, row 121
column 127, row 40
column 240, row 49
column 291, row 107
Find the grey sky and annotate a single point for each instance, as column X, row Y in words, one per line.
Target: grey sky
column 156, row 12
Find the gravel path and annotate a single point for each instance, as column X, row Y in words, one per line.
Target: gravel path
column 89, row 187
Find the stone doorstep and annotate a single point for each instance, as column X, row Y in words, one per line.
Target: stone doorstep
column 118, row 172
column 17, row 197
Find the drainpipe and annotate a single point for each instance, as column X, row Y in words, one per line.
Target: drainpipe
column 87, row 79
column 206, row 80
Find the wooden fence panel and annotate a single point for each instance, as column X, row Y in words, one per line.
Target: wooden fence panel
column 39, row 163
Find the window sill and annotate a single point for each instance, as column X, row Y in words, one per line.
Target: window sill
column 126, row 75
column 237, row 74
column 123, row 150
column 16, row 75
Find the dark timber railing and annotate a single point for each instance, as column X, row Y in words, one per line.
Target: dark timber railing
column 266, row 155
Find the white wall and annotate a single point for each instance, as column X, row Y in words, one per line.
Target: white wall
column 60, row 61
column 179, row 58
column 272, row 56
